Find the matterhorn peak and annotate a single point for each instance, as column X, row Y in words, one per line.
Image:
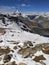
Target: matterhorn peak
column 17, row 11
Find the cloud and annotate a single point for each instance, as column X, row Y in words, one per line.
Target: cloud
column 27, row 5
column 23, row 5
column 7, row 8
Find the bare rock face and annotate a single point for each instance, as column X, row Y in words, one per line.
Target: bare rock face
column 42, row 26
column 4, row 51
column 7, row 58
column 28, row 43
column 41, row 31
column 22, row 63
column 27, row 51
column 46, row 50
column 38, row 25
column 38, row 58
column 2, row 31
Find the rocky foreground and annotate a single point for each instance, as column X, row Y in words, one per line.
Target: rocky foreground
column 19, row 45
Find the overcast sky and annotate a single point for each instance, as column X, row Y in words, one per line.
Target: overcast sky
column 25, row 5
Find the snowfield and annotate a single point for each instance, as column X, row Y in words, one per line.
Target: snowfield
column 14, row 36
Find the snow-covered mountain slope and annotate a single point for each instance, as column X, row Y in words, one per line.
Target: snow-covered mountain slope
column 13, row 40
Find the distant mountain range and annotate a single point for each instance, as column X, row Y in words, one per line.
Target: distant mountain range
column 36, row 22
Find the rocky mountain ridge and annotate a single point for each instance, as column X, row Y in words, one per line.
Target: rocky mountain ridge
column 38, row 24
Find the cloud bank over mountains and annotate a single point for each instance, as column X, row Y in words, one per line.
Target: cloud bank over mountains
column 7, row 8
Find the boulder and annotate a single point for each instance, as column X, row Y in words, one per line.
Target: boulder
column 7, row 58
